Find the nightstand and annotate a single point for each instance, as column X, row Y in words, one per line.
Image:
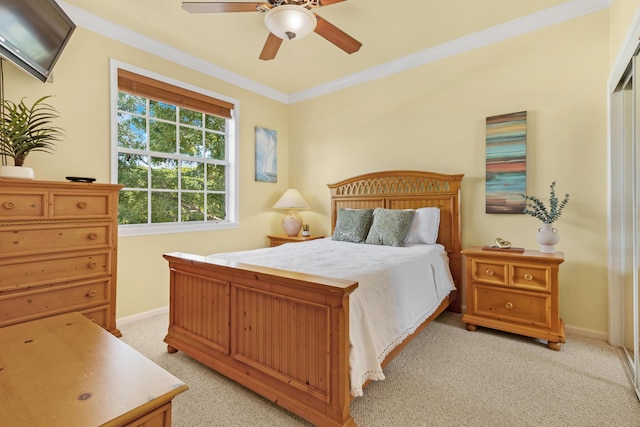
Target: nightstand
column 281, row 239
column 514, row 292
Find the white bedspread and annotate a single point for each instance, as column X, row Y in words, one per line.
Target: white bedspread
column 398, row 289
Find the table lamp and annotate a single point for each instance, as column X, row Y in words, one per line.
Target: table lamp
column 291, row 200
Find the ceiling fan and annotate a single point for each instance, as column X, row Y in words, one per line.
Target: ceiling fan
column 285, row 19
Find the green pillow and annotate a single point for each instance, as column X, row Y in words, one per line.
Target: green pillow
column 390, row 227
column 352, row 225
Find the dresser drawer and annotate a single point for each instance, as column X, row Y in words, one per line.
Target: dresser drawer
column 99, row 315
column 79, row 205
column 22, row 205
column 30, row 240
column 492, row 272
column 48, row 301
column 513, row 306
column 23, row 273
column 533, row 277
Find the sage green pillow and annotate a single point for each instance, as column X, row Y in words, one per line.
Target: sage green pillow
column 352, row 225
column 389, row 227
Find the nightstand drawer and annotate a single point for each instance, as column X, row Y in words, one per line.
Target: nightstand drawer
column 491, row 272
column 533, row 277
column 513, row 306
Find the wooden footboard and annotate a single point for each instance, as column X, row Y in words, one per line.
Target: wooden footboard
column 282, row 334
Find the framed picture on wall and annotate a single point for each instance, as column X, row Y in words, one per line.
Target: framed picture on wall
column 266, row 155
column 506, row 163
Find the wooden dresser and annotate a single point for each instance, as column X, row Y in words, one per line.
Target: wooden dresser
column 514, row 292
column 65, row 371
column 58, row 250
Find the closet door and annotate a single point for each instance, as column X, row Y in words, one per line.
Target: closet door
column 625, row 219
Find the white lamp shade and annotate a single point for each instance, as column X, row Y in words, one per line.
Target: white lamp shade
column 291, row 199
column 290, row 21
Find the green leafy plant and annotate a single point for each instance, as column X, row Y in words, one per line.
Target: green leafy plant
column 24, row 129
column 536, row 208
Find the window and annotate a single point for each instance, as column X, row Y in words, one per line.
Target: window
column 175, row 157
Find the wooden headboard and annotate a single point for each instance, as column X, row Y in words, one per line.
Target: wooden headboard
column 404, row 189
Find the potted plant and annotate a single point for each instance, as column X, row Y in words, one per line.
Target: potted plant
column 547, row 236
column 24, row 129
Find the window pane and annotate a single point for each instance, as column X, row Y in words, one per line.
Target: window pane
column 215, row 123
column 164, row 173
column 214, row 146
column 133, row 170
column 132, row 103
column 216, row 206
column 133, row 207
column 162, row 110
column 190, row 117
column 132, row 131
column 164, row 207
column 162, row 137
column 192, row 175
column 191, row 141
column 215, row 177
column 172, row 161
column 192, row 206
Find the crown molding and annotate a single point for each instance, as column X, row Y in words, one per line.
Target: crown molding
column 544, row 18
column 116, row 32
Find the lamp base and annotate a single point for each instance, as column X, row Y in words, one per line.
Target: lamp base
column 292, row 223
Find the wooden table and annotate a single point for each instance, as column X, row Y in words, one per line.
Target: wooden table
column 68, row 371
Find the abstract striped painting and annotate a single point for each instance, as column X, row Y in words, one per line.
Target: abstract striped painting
column 506, row 162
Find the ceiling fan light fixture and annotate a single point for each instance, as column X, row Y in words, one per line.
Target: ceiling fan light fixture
column 290, row 22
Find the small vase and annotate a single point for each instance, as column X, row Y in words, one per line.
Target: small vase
column 548, row 238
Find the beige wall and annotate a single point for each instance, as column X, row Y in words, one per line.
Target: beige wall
column 81, row 89
column 622, row 15
column 433, row 118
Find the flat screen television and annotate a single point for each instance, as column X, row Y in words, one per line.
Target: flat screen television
column 33, row 34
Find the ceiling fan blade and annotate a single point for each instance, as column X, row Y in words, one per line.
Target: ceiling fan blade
column 328, row 2
column 271, row 47
column 219, row 7
column 336, row 36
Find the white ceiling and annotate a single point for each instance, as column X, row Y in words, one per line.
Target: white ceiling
column 396, row 34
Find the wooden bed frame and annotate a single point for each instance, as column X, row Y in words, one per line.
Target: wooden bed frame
column 285, row 335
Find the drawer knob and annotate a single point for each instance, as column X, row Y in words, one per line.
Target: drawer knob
column 93, row 264
column 9, row 205
column 82, row 205
column 509, row 304
column 489, row 272
column 528, row 277
column 92, row 293
column 93, row 236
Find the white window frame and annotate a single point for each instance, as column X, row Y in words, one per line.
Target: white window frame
column 232, row 187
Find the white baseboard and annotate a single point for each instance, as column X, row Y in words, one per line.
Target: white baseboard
column 584, row 332
column 590, row 333
column 135, row 317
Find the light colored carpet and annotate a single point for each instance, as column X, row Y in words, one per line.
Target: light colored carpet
column 447, row 376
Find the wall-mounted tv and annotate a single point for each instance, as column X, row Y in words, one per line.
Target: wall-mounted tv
column 33, row 34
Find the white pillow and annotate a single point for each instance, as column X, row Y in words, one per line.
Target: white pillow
column 424, row 227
